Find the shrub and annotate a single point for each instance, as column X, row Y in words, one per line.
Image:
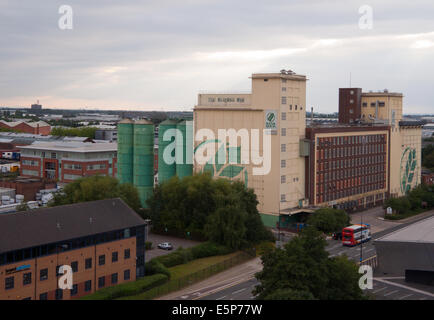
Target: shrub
column 156, row 267
column 148, row 245
column 208, row 249
column 128, row 289
column 175, row 258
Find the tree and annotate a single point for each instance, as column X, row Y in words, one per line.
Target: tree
column 329, row 220
column 216, row 209
column 303, row 270
column 97, row 188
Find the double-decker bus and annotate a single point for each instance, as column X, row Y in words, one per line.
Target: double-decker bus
column 355, row 234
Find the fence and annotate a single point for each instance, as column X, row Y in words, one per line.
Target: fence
column 177, row 284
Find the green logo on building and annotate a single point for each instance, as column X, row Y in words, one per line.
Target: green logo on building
column 408, row 169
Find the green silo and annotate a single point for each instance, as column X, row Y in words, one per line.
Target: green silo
column 184, row 149
column 166, row 170
column 144, row 159
column 125, row 151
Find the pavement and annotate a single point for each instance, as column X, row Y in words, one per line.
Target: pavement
column 157, row 238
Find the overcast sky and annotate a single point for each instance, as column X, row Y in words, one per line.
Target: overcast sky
column 157, row 55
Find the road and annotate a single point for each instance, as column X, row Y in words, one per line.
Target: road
column 238, row 283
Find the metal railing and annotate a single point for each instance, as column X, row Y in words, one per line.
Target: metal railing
column 371, row 261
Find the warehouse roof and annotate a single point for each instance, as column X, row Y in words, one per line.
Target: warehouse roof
column 49, row 225
column 72, row 146
column 421, row 231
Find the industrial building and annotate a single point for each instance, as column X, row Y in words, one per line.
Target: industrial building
column 369, row 155
column 68, row 161
column 408, row 252
column 102, row 241
column 38, row 127
column 136, row 153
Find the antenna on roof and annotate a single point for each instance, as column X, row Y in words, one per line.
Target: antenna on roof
column 350, row 79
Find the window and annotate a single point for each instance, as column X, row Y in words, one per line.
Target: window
column 283, row 163
column 283, row 147
column 295, row 107
column 126, row 253
column 43, row 274
column 282, row 198
column 283, row 132
column 101, row 282
column 283, row 100
column 74, row 266
column 72, row 166
column 88, row 263
column 43, row 296
column 283, row 115
column 53, row 155
column 127, row 274
column 9, row 283
column 101, row 260
column 282, row 179
column 74, row 290
column 88, row 285
column 364, row 104
column 27, row 278
column 59, row 294
column 114, row 278
column 283, row 88
column 114, row 256
column 98, row 166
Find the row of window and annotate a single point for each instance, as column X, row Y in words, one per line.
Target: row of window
column 43, row 273
column 380, row 104
column 283, row 179
column 283, row 114
column 226, row 99
column 378, row 160
column 334, row 195
column 32, row 163
column 359, row 172
column 87, row 286
column 351, row 151
column 359, row 139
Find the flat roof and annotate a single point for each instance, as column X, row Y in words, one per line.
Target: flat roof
column 36, row 227
column 72, row 146
column 421, row 231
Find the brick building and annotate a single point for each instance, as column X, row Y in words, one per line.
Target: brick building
column 102, row 241
column 38, row 127
column 28, row 187
column 68, row 161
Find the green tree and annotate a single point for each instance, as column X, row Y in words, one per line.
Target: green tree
column 210, row 208
column 303, row 270
column 97, row 188
column 329, row 220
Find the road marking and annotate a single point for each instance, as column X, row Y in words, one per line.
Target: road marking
column 403, row 297
column 238, row 291
column 388, row 294
column 380, row 289
column 405, row 287
column 221, row 298
column 369, row 250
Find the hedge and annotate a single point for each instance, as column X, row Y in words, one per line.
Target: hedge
column 203, row 250
column 128, row 289
column 154, row 267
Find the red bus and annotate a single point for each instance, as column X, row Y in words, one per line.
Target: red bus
column 355, row 234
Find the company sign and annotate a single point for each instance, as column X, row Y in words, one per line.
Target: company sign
column 271, row 122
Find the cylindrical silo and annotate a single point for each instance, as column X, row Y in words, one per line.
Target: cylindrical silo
column 166, row 164
column 125, row 151
column 184, row 149
column 144, row 159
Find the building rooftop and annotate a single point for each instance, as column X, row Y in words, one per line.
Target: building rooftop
column 421, row 231
column 72, row 146
column 49, row 225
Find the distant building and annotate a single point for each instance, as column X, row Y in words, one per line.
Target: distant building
column 106, row 134
column 36, row 106
column 68, row 161
column 38, row 127
column 102, row 241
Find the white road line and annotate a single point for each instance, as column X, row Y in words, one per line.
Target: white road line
column 238, row 291
column 221, row 298
column 380, row 289
column 369, row 250
column 405, row 287
column 403, row 297
column 388, row 294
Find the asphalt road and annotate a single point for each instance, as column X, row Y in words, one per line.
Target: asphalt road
column 384, row 288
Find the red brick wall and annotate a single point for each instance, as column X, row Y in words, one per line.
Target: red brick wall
column 23, row 127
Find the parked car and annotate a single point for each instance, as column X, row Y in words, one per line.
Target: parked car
column 165, row 246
